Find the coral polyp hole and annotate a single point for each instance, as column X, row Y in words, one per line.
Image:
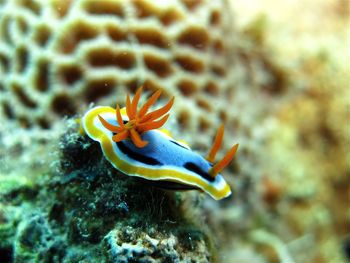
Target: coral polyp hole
column 116, row 33
column 132, row 86
column 70, row 74
column 61, row 7
column 184, row 119
column 204, row 124
column 204, row 104
column 151, row 37
column 22, row 96
column 22, row 25
column 4, row 63
column 223, row 116
column 43, row 123
column 192, row 4
column 63, row 105
column 42, row 35
column 211, row 88
column 144, row 9
column 104, row 7
column 41, row 77
column 218, row 70
column 151, row 86
column 218, row 46
column 24, row 122
column 215, row 18
column 159, row 66
column 170, row 17
column 187, row 87
column 107, row 58
column 30, row 5
column 190, row 64
column 4, row 30
column 99, row 88
column 22, row 58
column 7, row 110
column 195, row 37
column 78, row 32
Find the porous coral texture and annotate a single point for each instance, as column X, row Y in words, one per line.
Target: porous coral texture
column 293, row 203
column 281, row 88
column 83, row 210
column 130, row 244
column 56, row 57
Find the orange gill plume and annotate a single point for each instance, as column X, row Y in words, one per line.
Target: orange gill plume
column 139, row 121
column 220, row 165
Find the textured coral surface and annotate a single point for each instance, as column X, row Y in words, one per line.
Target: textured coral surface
column 56, row 57
column 301, row 199
column 279, row 80
column 81, row 209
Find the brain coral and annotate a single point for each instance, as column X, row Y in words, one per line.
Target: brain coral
column 56, row 57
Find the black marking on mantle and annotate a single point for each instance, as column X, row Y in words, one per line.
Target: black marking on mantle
column 137, row 156
column 194, row 168
column 178, row 144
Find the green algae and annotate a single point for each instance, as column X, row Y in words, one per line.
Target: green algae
column 79, row 208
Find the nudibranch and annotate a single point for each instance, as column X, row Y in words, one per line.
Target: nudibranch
column 132, row 141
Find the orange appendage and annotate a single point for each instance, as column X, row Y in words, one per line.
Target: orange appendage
column 139, row 121
column 216, row 145
column 219, row 166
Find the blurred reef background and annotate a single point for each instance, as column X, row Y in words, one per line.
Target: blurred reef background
column 275, row 73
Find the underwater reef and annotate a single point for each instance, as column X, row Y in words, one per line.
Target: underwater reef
column 278, row 81
column 63, row 202
column 82, row 210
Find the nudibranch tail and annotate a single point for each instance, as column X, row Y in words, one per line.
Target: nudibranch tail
column 219, row 166
column 139, row 121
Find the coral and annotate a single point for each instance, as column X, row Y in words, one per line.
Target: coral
column 297, row 120
column 84, row 210
column 130, row 244
column 279, row 81
column 56, row 57
column 35, row 241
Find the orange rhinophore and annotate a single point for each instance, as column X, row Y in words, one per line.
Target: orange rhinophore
column 219, row 166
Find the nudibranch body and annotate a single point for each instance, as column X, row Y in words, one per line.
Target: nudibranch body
column 132, row 142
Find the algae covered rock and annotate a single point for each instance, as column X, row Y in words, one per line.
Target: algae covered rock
column 128, row 244
column 82, row 209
